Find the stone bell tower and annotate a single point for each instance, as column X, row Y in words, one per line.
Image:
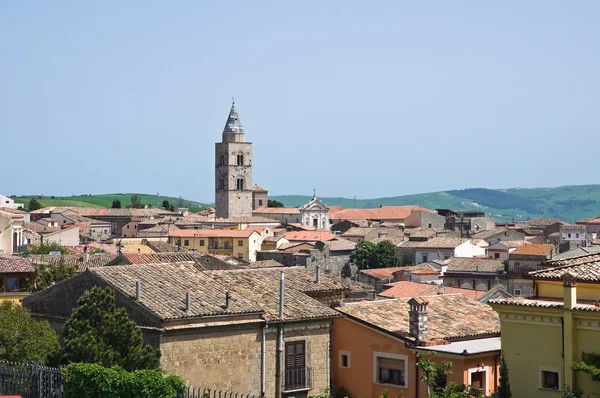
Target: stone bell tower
column 233, row 171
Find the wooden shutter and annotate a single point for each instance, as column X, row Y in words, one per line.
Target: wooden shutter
column 294, row 355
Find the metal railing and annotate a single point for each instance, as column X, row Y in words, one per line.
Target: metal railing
column 198, row 392
column 31, row 380
column 297, row 379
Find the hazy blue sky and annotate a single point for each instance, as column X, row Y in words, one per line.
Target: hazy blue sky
column 365, row 98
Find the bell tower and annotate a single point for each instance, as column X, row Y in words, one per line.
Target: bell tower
column 233, row 170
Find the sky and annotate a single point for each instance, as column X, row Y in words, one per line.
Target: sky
column 373, row 99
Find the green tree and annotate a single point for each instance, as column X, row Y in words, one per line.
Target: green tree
column 274, row 203
column 387, row 255
column 136, row 202
column 48, row 274
column 433, row 377
column 569, row 392
column 504, row 387
column 172, row 208
column 22, row 338
column 165, row 204
column 46, row 248
column 363, row 255
column 99, row 332
column 116, row 204
column 34, row 204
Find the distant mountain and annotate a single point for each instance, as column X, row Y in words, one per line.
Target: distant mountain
column 569, row 203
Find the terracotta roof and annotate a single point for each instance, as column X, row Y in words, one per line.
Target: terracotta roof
column 302, row 226
column 463, row 264
column 149, row 258
column 422, row 232
column 542, row 222
column 396, row 240
column 276, row 210
column 10, row 265
column 309, row 236
column 360, row 231
column 491, row 232
column 94, row 260
column 406, row 289
column 380, row 213
column 591, row 221
column 340, row 244
column 449, row 317
column 382, row 273
column 572, row 227
column 424, row 272
column 160, row 247
column 577, row 252
column 584, row 269
column 104, row 212
column 441, row 243
column 534, row 250
column 256, row 188
column 210, row 233
column 543, row 303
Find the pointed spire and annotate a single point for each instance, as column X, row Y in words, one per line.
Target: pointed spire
column 233, row 124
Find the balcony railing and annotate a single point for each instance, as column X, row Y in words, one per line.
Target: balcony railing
column 297, row 379
column 221, row 247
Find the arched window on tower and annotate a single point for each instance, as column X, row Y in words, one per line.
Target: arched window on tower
column 240, row 184
column 240, row 159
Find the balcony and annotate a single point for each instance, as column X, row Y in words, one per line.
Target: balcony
column 220, row 247
column 297, row 379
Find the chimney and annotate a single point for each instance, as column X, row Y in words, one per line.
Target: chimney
column 570, row 287
column 138, row 290
column 318, row 273
column 227, row 300
column 139, row 250
column 188, row 301
column 417, row 318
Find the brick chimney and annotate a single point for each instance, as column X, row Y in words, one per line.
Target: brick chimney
column 417, row 318
column 570, row 287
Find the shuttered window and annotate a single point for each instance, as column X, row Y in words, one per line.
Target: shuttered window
column 294, row 355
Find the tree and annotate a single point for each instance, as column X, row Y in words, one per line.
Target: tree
column 22, row 338
column 48, row 274
column 136, row 202
column 504, row 387
column 172, row 208
column 274, row 203
column 47, row 248
column 387, row 254
column 99, row 332
column 34, row 204
column 116, row 204
column 363, row 255
column 433, row 376
column 165, row 204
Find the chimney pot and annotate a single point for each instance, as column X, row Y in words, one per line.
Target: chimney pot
column 188, row 301
column 227, row 300
column 138, row 290
column 318, row 274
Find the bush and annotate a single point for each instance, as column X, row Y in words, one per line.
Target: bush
column 85, row 380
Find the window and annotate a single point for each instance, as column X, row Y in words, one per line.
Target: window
column 569, row 235
column 489, row 285
column 446, row 256
column 241, row 256
column 186, row 242
column 577, row 236
column 549, row 380
column 516, row 266
column 478, row 380
column 240, row 243
column 474, row 284
column 429, row 225
column 127, row 226
column 240, row 160
column 390, row 369
column 135, row 226
column 295, row 365
column 424, row 257
column 496, row 255
column 12, row 284
column 260, row 202
column 201, row 242
column 517, row 292
column 345, row 359
column 240, row 184
column 459, row 282
column 316, row 223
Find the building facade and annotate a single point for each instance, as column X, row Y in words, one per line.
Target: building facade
column 315, row 214
column 233, row 171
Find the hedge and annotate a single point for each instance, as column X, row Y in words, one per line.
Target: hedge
column 86, row 380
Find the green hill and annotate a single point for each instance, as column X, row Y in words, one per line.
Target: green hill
column 570, row 203
column 105, row 200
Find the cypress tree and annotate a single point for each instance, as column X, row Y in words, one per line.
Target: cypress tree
column 504, row 387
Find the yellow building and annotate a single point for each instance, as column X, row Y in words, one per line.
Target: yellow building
column 14, row 278
column 243, row 244
column 542, row 336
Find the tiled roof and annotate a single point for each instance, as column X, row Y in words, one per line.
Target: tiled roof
column 94, row 260
column 309, row 236
column 264, row 264
column 149, row 258
column 406, row 289
column 534, row 250
column 578, row 252
column 463, row 264
column 379, row 213
column 543, row 303
column 449, row 317
column 591, row 221
column 40, row 227
column 302, row 226
column 160, row 247
column 442, row 243
column 491, row 232
column 340, row 244
column 584, row 269
column 9, row 265
column 276, row 210
column 572, row 227
column 382, row 273
column 396, row 240
column 210, row 233
column 104, row 212
column 543, row 222
column 256, row 188
column 422, row 232
column 359, row 231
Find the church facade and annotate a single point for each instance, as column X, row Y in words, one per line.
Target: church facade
column 315, row 214
column 233, row 170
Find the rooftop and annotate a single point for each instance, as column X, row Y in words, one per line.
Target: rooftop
column 463, row 264
column 542, row 222
column 382, row 273
column 212, row 233
column 534, row 250
column 276, row 210
column 491, row 232
column 450, row 317
column 584, row 269
column 379, row 213
column 360, row 231
column 478, row 346
column 13, row 265
column 309, row 236
column 406, row 290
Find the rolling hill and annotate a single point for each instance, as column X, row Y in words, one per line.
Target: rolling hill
column 570, row 203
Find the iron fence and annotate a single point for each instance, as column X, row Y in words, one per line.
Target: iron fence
column 198, row 392
column 31, row 380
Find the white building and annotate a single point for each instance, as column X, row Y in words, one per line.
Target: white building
column 8, row 202
column 11, row 232
column 315, row 214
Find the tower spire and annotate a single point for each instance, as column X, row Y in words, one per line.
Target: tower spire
column 233, row 124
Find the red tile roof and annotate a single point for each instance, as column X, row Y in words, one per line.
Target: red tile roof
column 382, row 273
column 534, row 250
column 406, row 289
column 309, row 236
column 380, row 213
column 210, row 233
column 9, row 265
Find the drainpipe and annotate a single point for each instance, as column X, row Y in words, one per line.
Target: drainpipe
column 278, row 358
